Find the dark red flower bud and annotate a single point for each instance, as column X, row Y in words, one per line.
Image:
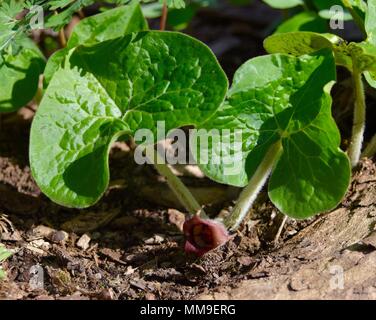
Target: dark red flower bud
column 203, row 235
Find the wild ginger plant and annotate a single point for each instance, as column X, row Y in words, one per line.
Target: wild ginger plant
column 107, row 85
column 282, row 104
column 358, row 58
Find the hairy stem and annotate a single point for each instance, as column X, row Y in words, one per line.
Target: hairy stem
column 359, row 121
column 164, row 16
column 180, row 190
column 370, row 151
column 249, row 194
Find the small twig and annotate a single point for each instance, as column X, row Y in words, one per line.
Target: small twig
column 164, row 16
column 278, row 235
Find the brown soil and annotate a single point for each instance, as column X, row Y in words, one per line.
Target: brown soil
column 133, row 247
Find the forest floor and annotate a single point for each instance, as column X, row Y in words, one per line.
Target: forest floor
column 130, row 245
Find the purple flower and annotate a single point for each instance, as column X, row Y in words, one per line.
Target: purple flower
column 203, row 235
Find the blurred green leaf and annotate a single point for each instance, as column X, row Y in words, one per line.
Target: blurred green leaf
column 107, row 25
column 180, row 18
column 152, row 10
column 304, row 21
column 174, row 4
column 19, row 74
column 283, row 4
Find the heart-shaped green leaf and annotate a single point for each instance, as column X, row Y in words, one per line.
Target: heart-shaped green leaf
column 108, row 25
column 19, row 75
column 280, row 98
column 115, row 88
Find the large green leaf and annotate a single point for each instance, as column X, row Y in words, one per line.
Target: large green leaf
column 108, row 25
column 280, row 98
column 114, row 88
column 19, row 75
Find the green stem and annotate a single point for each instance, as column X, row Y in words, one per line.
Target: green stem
column 359, row 121
column 370, row 151
column 249, row 194
column 180, row 190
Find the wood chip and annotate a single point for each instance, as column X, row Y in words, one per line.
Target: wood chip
column 176, row 217
column 11, row 236
column 245, row 261
column 36, row 251
column 40, row 243
column 41, row 232
column 139, row 284
column 156, row 239
column 83, row 242
column 59, row 236
column 113, row 255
